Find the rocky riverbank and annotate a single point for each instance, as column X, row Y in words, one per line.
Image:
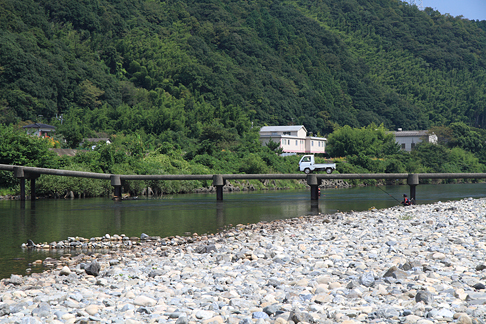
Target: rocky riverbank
column 417, row 264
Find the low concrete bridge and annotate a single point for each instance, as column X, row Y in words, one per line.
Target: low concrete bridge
column 313, row 180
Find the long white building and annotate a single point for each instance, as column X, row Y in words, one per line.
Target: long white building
column 293, row 139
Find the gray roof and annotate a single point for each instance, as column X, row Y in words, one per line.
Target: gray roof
column 39, row 125
column 411, row 133
column 97, row 139
column 61, row 152
column 295, row 128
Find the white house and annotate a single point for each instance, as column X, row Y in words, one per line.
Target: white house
column 293, row 139
column 39, row 129
column 96, row 140
column 408, row 139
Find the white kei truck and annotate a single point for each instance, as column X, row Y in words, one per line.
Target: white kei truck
column 308, row 165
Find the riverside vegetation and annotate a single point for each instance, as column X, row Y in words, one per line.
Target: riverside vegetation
column 367, row 149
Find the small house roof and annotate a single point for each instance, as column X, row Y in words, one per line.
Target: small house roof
column 39, row 125
column 61, row 152
column 97, row 139
column 282, row 128
column 411, row 133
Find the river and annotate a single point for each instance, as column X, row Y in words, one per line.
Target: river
column 55, row 220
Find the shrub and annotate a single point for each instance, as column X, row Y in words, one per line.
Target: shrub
column 52, row 184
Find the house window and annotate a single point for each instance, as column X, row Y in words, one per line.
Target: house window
column 403, row 146
column 296, row 142
column 413, row 146
column 312, row 143
column 286, row 133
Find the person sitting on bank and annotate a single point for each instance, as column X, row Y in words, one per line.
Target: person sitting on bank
column 406, row 201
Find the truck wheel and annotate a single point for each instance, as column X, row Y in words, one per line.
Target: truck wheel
column 328, row 170
column 307, row 170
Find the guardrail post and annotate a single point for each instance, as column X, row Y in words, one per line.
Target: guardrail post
column 218, row 182
column 413, row 181
column 19, row 174
column 117, row 187
column 314, row 185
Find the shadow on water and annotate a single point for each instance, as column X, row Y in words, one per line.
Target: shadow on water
column 55, row 220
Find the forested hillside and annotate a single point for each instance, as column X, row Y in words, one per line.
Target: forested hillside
column 186, row 71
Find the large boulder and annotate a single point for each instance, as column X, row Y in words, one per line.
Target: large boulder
column 93, row 268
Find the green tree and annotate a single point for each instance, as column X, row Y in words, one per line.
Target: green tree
column 464, row 137
column 90, row 94
column 19, row 148
column 274, row 146
column 433, row 157
column 373, row 141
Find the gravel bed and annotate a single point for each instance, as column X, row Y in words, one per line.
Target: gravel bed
column 416, row 264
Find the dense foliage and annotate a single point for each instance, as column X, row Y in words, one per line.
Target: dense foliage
column 374, row 141
column 373, row 149
column 173, row 69
column 186, row 84
column 370, row 149
column 18, row 148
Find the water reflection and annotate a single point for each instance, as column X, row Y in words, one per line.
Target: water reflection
column 117, row 216
column 314, row 207
column 220, row 219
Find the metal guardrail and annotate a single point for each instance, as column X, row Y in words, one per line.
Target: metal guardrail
column 219, row 180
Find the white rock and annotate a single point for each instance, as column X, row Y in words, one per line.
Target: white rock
column 92, row 309
column 204, row 315
column 65, row 271
column 144, row 301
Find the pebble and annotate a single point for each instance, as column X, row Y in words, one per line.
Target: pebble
column 65, row 271
column 415, row 264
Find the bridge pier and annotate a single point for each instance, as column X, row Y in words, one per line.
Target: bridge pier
column 20, row 174
column 218, row 182
column 413, row 181
column 117, row 186
column 314, row 185
column 22, row 189
column 32, row 188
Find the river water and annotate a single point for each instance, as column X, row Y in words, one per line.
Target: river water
column 55, row 220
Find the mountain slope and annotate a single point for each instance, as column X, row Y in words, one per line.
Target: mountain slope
column 176, row 68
